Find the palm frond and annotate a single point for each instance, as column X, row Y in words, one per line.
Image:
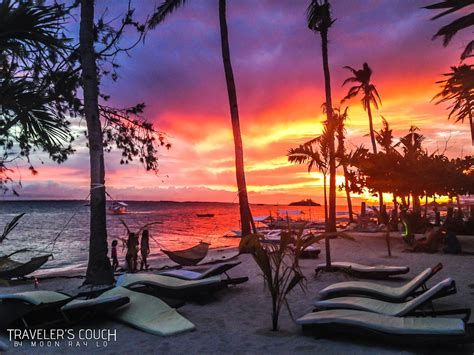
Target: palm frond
column 318, row 16
column 450, row 30
column 165, row 9
column 451, row 5
column 10, row 226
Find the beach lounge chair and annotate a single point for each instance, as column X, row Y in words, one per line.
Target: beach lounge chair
column 188, row 257
column 10, row 269
column 172, row 287
column 47, row 308
column 364, row 271
column 389, row 308
column 148, row 313
column 424, row 331
column 382, row 292
column 196, row 274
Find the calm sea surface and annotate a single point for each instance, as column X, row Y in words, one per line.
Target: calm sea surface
column 180, row 227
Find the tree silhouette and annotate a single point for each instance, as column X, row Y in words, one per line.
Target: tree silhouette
column 165, row 9
column 99, row 45
column 458, row 89
column 319, row 20
column 316, row 153
column 35, row 94
column 448, row 31
column 369, row 94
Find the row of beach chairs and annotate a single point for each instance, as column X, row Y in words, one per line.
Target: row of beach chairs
column 402, row 315
column 136, row 299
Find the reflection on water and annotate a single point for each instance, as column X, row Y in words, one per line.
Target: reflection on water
column 180, row 227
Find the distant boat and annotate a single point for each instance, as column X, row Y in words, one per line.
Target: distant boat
column 118, row 208
column 208, row 215
column 307, row 202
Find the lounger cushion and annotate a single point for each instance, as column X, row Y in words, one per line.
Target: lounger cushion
column 36, row 297
column 368, row 269
column 382, row 307
column 200, row 274
column 167, row 282
column 98, row 301
column 354, row 287
column 184, row 274
column 3, row 346
column 148, row 313
column 386, row 324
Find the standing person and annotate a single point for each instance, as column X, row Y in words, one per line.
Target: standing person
column 145, row 249
column 115, row 262
column 132, row 252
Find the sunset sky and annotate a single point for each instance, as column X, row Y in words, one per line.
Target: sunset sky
column 178, row 72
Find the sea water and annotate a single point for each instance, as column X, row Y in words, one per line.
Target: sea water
column 62, row 227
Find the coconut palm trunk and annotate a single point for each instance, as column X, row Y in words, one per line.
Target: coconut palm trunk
column 471, row 123
column 348, row 193
column 325, row 202
column 374, row 146
column 331, row 225
column 371, row 128
column 99, row 270
column 245, row 214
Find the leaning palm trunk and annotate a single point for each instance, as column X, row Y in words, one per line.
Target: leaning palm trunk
column 245, row 216
column 348, row 193
column 99, row 270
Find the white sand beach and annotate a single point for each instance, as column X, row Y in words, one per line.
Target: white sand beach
column 238, row 319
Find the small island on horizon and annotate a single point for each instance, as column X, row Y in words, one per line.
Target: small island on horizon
column 307, row 202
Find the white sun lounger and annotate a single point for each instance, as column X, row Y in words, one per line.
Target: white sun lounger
column 45, row 307
column 359, row 270
column 166, row 282
column 372, row 289
column 383, row 307
column 410, row 331
column 148, row 313
column 214, row 270
column 385, row 324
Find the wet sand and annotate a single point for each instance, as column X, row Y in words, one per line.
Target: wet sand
column 238, row 319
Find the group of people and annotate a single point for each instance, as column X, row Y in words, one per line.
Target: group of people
column 133, row 248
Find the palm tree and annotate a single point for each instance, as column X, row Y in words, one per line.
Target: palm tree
column 369, row 94
column 99, row 270
column 412, row 148
column 458, row 89
column 384, row 138
column 315, row 153
column 450, row 30
column 319, row 20
column 167, row 7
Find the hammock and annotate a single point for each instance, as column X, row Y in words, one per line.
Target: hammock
column 10, row 269
column 188, row 257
